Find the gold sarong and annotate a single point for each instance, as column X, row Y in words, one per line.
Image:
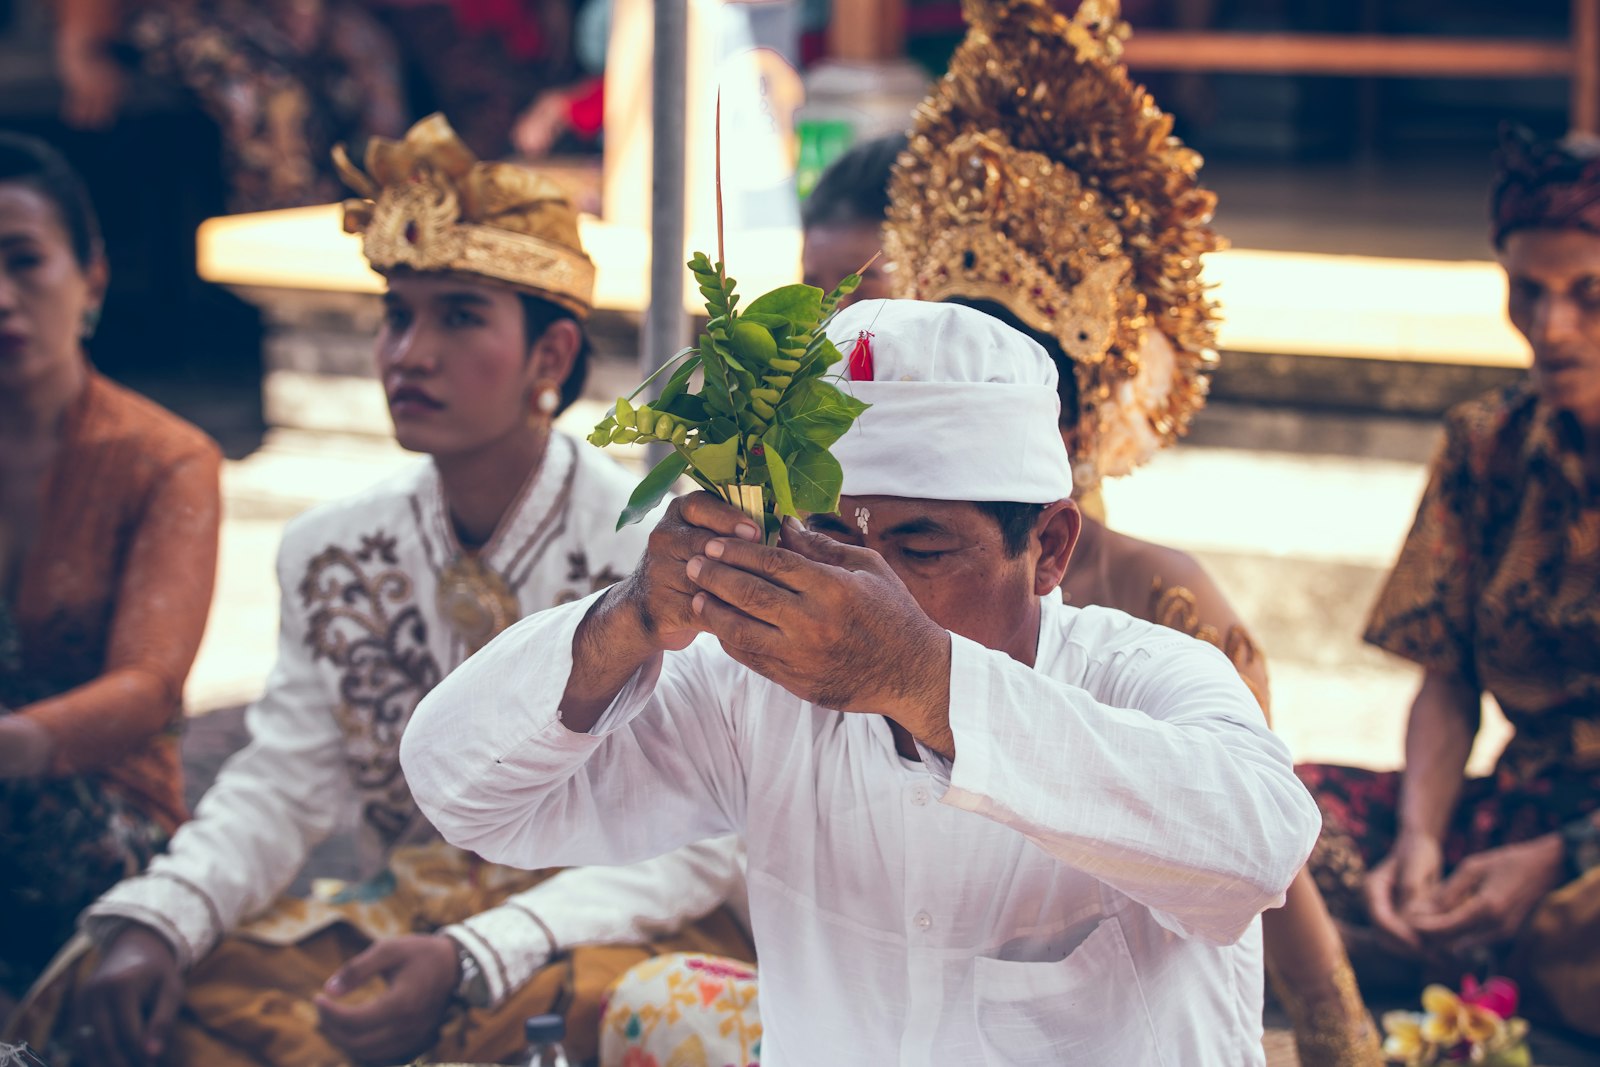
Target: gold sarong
column 251, row 1001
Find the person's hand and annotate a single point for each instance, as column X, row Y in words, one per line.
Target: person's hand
column 1402, row 884
column 25, row 747
column 401, row 1022
column 126, row 1006
column 831, row 623
column 1488, row 897
column 535, row 131
column 659, row 591
column 93, row 83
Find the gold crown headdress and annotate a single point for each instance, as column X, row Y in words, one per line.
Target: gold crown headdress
column 1037, row 175
column 431, row 205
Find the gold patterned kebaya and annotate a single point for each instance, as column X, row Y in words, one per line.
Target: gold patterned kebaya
column 430, row 205
column 1038, row 176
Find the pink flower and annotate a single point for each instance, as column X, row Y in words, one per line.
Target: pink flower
column 1498, row 995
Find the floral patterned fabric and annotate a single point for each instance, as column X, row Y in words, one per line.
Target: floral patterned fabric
column 75, row 838
column 284, row 83
column 683, row 1010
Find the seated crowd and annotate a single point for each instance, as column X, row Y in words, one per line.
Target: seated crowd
column 958, row 773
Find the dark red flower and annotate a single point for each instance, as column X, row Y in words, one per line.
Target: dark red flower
column 1498, row 995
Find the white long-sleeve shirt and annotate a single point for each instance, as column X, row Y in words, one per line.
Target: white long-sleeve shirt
column 1081, row 885
column 362, row 639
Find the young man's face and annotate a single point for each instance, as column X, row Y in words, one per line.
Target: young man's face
column 454, row 358
column 832, row 253
column 1554, row 300
column 952, row 557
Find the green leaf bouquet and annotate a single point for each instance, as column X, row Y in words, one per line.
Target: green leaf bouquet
column 758, row 430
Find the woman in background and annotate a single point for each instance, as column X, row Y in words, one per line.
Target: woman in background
column 109, row 511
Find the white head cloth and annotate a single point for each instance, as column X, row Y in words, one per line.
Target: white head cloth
column 963, row 407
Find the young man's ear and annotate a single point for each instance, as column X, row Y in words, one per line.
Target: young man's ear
column 553, row 353
column 1057, row 531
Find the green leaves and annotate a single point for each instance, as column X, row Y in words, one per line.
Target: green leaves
column 815, row 479
column 649, row 492
column 819, row 411
column 719, row 462
column 798, row 305
column 778, row 475
column 763, row 419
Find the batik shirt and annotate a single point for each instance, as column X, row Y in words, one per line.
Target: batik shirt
column 1499, row 580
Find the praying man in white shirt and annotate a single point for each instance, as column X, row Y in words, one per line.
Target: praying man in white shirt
column 983, row 826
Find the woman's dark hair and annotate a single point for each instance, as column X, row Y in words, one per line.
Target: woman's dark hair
column 855, row 187
column 1066, row 379
column 538, row 315
column 29, row 161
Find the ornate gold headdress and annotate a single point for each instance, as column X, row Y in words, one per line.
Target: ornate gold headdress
column 432, row 206
column 1039, row 176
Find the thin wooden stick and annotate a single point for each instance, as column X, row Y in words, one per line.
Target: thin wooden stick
column 722, row 259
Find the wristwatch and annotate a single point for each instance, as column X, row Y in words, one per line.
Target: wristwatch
column 1580, row 840
column 473, row 988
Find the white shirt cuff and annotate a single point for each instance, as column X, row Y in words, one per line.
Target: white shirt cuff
column 509, row 943
column 173, row 907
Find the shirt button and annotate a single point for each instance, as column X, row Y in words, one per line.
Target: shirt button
column 924, row 921
column 919, row 796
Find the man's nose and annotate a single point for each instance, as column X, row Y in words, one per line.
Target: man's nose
column 412, row 352
column 1555, row 322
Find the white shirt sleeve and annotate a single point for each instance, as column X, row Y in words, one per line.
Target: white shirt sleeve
column 272, row 802
column 490, row 763
column 601, row 906
column 1188, row 805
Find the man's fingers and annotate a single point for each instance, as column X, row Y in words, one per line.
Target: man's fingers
column 126, row 1018
column 169, row 997
column 733, row 628
column 376, row 959
column 1458, row 888
column 97, row 1034
column 821, row 548
column 751, row 594
column 1380, row 905
column 777, row 565
column 1465, row 918
column 709, row 512
column 348, row 1022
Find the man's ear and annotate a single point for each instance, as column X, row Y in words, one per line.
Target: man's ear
column 1056, row 531
column 551, row 355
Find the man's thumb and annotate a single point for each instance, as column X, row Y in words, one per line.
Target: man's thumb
column 359, row 970
column 821, row 548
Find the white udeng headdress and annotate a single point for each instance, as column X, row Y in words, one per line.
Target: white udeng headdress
column 963, row 407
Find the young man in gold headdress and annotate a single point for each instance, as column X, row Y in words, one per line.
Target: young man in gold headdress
column 200, row 960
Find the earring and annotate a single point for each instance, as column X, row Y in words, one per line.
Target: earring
column 542, row 404
column 90, row 323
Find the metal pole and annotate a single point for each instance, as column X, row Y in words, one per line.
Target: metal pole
column 666, row 324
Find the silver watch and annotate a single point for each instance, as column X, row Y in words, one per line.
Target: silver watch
column 473, row 987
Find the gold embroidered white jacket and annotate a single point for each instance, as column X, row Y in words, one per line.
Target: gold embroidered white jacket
column 361, row 641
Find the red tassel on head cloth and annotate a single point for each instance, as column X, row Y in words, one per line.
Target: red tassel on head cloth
column 861, row 358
